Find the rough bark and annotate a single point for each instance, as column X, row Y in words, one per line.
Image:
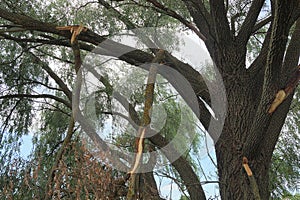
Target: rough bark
column 249, row 130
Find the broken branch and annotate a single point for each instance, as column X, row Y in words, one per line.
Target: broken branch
column 251, row 178
column 75, row 30
column 283, row 94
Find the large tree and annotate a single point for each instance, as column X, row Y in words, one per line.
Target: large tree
column 227, row 28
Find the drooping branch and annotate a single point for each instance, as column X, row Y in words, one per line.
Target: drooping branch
column 129, row 24
column 58, row 158
column 195, row 79
column 50, row 72
column 37, row 96
column 111, row 48
column 67, row 140
column 53, row 75
column 5, row 123
column 138, row 57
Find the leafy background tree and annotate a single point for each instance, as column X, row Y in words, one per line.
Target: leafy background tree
column 254, row 44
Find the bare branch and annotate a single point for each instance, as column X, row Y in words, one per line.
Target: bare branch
column 261, row 23
column 173, row 14
column 220, row 22
column 201, row 16
column 53, row 75
column 129, row 24
column 44, row 96
column 250, row 20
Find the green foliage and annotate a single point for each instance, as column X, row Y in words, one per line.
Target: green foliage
column 291, row 197
column 48, row 121
column 183, row 198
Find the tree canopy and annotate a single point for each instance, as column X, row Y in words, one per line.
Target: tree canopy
column 70, row 76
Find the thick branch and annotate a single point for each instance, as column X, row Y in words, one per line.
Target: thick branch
column 59, row 42
column 183, row 167
column 200, row 15
column 278, row 118
column 220, row 22
column 249, row 22
column 292, row 52
column 280, row 31
column 29, row 23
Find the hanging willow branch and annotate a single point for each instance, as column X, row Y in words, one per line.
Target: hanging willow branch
column 70, row 131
